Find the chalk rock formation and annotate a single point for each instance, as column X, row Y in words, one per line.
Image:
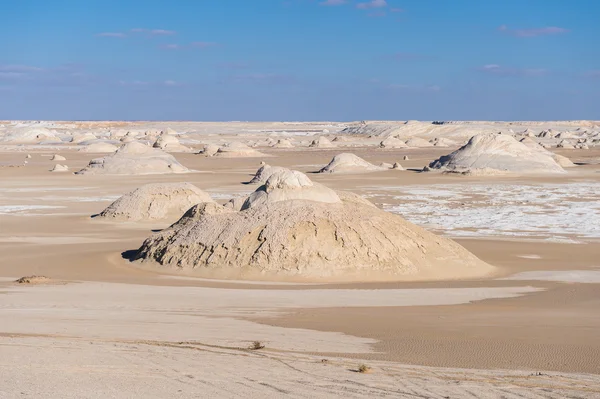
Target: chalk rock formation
column 82, row 137
column 264, row 172
column 170, row 143
column 392, row 142
column 156, row 201
column 500, row 152
column 418, row 142
column 443, row 142
column 294, row 229
column 321, row 142
column 210, row 150
column 349, row 163
column 135, row 159
column 30, row 135
column 59, row 168
column 99, row 148
column 283, row 143
column 237, row 149
column 561, row 160
column 57, row 157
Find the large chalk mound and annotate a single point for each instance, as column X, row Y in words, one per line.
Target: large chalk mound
column 294, row 229
column 30, row 135
column 135, row 159
column 264, row 172
column 321, row 142
column 156, row 201
column 99, row 148
column 170, row 143
column 561, row 160
column 237, row 150
column 349, row 163
column 497, row 152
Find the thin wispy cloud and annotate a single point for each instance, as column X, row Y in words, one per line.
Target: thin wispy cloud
column 414, row 88
column 333, row 2
column 377, row 14
column 162, row 32
column 193, row 45
column 154, row 32
column 372, row 4
column 11, row 76
column 405, row 57
column 57, row 76
column 595, row 73
column 535, row 32
column 495, row 69
column 133, row 83
column 171, row 47
column 264, row 78
column 119, row 35
column 19, row 68
column 234, row 65
column 203, row 44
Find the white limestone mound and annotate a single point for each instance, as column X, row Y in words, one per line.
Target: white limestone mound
column 566, row 144
column 237, row 149
column 349, row 163
column 443, row 142
column 81, row 137
column 28, row 156
column 57, row 157
column 393, row 142
column 289, row 185
column 294, row 232
column 59, row 168
column 210, row 150
column 170, row 143
column 135, row 159
column 156, row 201
column 499, row 152
column 561, row 160
column 397, row 166
column 30, row 135
column 99, row 148
column 321, row 142
column 283, row 143
column 264, row 172
column 417, row 142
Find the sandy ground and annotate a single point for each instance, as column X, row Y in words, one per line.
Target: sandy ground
column 107, row 329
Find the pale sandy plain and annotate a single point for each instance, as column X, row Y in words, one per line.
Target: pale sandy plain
column 104, row 327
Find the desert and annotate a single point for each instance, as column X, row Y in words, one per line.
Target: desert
column 300, row 199
column 359, row 280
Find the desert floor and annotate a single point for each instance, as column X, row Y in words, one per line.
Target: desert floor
column 106, row 328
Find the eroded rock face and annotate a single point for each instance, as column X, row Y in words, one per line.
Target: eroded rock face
column 418, row 142
column 393, row 142
column 297, row 229
column 349, row 163
column 321, row 142
column 99, row 148
column 283, row 143
column 170, row 143
column 157, row 201
column 264, row 172
column 497, row 152
column 237, row 149
column 135, row 158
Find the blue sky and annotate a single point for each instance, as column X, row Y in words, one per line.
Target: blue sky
column 300, row 59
